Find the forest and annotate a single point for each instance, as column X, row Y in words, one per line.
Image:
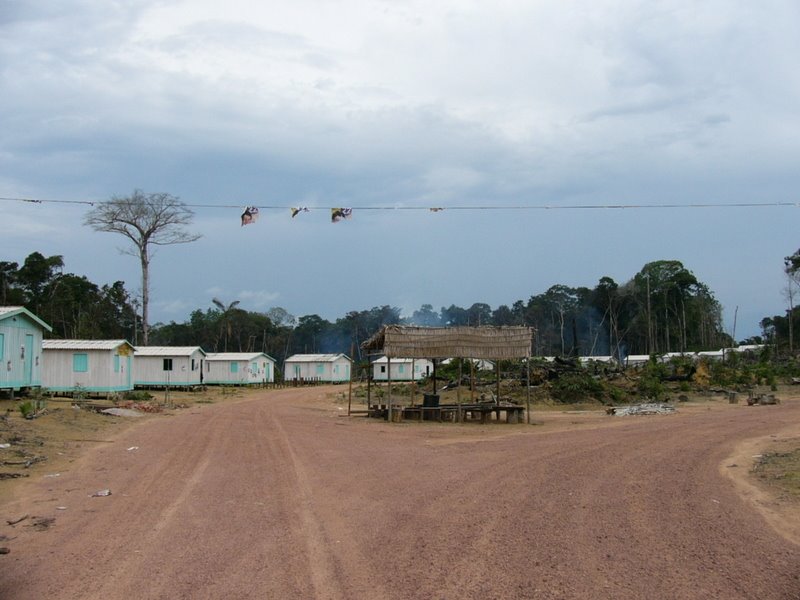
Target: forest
column 662, row 308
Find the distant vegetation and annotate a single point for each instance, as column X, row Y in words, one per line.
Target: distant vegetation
column 662, row 308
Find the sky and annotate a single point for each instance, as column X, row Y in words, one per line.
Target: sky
column 393, row 108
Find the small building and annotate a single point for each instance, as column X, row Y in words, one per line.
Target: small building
column 21, row 334
column 317, row 367
column 173, row 366
column 480, row 364
column 93, row 366
column 238, row 368
column 402, row 369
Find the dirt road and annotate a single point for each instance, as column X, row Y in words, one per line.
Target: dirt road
column 279, row 497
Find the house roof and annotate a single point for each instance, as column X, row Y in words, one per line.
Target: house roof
column 167, row 350
column 383, row 359
column 84, row 344
column 6, row 312
column 316, row 357
column 446, row 342
column 212, row 356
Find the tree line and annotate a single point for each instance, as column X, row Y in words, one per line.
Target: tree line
column 662, row 308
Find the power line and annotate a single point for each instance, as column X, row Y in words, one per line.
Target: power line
column 521, row 207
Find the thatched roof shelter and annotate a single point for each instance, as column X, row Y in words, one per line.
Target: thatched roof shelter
column 398, row 341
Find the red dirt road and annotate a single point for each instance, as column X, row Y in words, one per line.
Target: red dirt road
column 279, row 497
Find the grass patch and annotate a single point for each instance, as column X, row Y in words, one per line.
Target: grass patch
column 780, row 470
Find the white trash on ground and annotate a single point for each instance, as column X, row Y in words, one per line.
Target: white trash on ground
column 654, row 408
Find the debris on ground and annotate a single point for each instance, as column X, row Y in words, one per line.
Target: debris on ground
column 641, row 409
column 121, row 412
column 101, row 493
column 762, row 400
column 15, row 521
column 42, row 523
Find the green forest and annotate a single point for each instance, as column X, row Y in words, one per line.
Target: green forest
column 662, row 308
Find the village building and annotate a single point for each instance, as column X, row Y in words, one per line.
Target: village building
column 317, row 367
column 238, row 368
column 92, row 366
column 479, row 364
column 168, row 366
column 402, row 369
column 21, row 334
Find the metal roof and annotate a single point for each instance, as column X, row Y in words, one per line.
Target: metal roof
column 84, row 344
column 236, row 356
column 9, row 311
column 315, row 357
column 384, row 359
column 167, row 350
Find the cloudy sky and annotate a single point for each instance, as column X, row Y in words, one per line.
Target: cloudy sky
column 398, row 105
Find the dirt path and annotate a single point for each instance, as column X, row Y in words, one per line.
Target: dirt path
column 279, row 497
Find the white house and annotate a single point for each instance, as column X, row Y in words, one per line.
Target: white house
column 481, row 364
column 238, row 368
column 100, row 366
column 21, row 335
column 402, row 369
column 161, row 366
column 317, row 367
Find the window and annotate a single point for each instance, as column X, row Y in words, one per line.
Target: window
column 80, row 363
column 2, row 345
column 193, row 365
column 234, row 367
column 320, row 369
column 168, row 364
column 383, row 368
column 116, row 363
column 401, row 368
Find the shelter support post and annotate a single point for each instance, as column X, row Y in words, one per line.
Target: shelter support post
column 528, row 390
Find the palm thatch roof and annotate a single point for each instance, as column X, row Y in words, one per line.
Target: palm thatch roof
column 397, row 341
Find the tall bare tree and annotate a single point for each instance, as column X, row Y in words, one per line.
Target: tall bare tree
column 147, row 220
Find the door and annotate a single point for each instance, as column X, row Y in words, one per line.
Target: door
column 27, row 374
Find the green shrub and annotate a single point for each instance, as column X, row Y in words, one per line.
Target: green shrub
column 576, row 387
column 27, row 409
column 137, row 396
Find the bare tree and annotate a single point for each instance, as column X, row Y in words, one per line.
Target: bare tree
column 146, row 220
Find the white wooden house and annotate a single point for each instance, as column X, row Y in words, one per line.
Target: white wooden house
column 238, row 368
column 21, row 334
column 402, row 369
column 161, row 366
column 98, row 366
column 481, row 364
column 317, row 367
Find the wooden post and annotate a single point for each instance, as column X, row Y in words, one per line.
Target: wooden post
column 369, row 385
column 434, row 375
column 413, row 381
column 497, row 384
column 458, row 389
column 389, row 389
column 350, row 384
column 471, row 381
column 528, row 390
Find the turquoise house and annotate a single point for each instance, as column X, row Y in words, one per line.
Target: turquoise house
column 21, row 334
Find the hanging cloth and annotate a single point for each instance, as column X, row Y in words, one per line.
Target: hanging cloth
column 296, row 210
column 337, row 214
column 250, row 215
